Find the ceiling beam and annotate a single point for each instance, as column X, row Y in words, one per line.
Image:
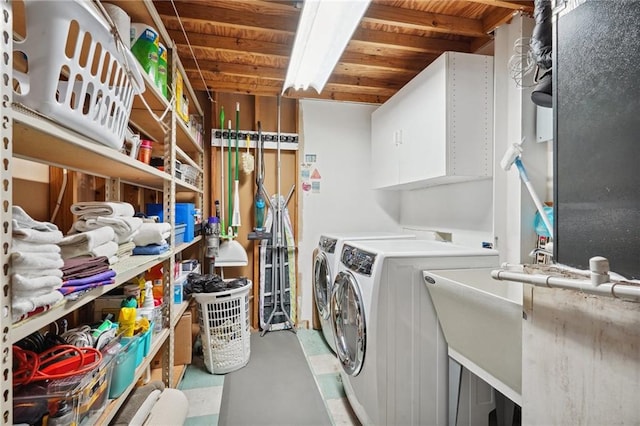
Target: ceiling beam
column 523, row 6
column 348, row 58
column 231, row 87
column 223, row 16
column 497, row 18
column 408, row 42
column 401, row 17
column 215, row 71
column 232, row 43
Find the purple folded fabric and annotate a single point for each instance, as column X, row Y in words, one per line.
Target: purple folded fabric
column 103, row 276
column 68, row 289
column 82, row 267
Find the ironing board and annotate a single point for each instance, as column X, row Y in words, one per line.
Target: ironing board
column 288, row 289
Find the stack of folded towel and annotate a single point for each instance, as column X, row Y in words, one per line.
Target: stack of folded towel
column 84, row 267
column 114, row 214
column 35, row 265
column 125, row 250
column 81, row 274
column 152, row 238
column 94, row 243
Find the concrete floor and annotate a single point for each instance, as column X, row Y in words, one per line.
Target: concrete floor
column 205, row 391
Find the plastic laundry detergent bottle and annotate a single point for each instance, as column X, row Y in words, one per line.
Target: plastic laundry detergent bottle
column 155, row 275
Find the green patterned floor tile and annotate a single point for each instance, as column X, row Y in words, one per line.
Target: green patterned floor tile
column 330, row 386
column 313, row 342
column 197, row 376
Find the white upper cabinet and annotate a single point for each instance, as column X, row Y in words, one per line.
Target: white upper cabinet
column 438, row 128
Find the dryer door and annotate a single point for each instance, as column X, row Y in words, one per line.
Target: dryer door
column 348, row 322
column 321, row 283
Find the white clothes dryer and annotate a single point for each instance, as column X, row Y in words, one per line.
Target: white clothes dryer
column 324, row 266
column 388, row 340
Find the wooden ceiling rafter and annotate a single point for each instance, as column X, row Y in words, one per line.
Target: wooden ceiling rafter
column 244, row 45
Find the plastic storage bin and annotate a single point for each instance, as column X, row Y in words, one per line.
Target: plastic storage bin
column 85, row 396
column 143, row 346
column 180, row 231
column 124, row 367
column 88, row 90
column 185, row 213
column 224, row 328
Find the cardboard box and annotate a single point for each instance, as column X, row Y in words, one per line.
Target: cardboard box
column 183, row 343
column 104, row 305
column 182, row 340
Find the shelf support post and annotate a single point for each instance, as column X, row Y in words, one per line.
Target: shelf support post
column 6, row 153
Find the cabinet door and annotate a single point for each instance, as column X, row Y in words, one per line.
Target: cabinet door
column 423, row 120
column 384, row 148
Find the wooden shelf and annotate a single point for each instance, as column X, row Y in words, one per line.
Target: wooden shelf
column 32, row 136
column 184, row 157
column 186, row 245
column 42, row 140
column 128, row 269
column 185, row 140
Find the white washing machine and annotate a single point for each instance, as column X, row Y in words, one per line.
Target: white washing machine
column 324, row 266
column 392, row 351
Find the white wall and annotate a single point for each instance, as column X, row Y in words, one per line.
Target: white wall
column 464, row 209
column 339, row 134
column 514, row 120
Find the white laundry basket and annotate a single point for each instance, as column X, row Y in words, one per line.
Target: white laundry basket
column 76, row 72
column 225, row 328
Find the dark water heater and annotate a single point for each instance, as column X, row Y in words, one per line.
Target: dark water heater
column 596, row 96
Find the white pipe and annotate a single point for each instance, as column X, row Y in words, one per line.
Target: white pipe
column 610, row 289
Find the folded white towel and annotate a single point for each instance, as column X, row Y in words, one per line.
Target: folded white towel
column 102, row 208
column 35, row 261
column 23, row 305
column 26, row 246
column 36, row 273
column 125, row 248
column 108, row 249
column 79, row 244
column 125, row 228
column 23, row 284
column 33, row 293
column 36, row 236
column 21, row 220
column 152, row 233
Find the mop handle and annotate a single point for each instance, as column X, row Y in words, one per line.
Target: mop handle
column 222, row 169
column 230, row 205
column 534, row 196
column 237, row 136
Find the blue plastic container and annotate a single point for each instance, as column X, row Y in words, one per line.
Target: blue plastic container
column 146, row 340
column 124, row 368
column 180, row 229
column 185, row 213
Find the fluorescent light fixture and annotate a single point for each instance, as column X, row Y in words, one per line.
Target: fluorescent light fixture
column 324, row 29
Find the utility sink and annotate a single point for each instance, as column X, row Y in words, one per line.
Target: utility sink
column 482, row 322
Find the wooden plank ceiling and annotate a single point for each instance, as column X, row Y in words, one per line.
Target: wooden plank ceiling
column 243, row 46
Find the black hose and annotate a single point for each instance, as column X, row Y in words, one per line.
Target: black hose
column 542, row 36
